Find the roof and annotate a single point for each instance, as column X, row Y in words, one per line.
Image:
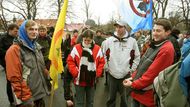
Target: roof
column 52, row 22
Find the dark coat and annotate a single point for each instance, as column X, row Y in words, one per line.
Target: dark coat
column 6, row 41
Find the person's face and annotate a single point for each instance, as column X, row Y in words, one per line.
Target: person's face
column 159, row 33
column 13, row 32
column 76, row 34
column 67, row 36
column 120, row 30
column 98, row 33
column 137, row 34
column 32, row 32
column 87, row 41
column 42, row 32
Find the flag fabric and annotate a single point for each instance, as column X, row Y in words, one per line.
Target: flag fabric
column 55, row 49
column 137, row 13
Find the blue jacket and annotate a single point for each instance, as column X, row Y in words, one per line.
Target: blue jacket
column 185, row 66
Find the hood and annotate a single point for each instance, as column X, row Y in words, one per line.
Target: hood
column 23, row 35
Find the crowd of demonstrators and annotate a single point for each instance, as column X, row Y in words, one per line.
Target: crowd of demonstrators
column 117, row 51
column 85, row 56
column 159, row 56
column 25, row 67
column 5, row 42
column 85, row 64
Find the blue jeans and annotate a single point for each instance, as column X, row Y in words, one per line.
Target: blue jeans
column 81, row 93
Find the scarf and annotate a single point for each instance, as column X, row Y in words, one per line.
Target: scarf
column 87, row 65
column 23, row 35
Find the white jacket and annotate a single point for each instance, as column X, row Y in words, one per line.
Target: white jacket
column 118, row 63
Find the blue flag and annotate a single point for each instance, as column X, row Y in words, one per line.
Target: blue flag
column 137, row 13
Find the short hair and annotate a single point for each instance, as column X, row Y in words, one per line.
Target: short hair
column 42, row 27
column 175, row 31
column 75, row 31
column 12, row 26
column 88, row 34
column 165, row 23
column 30, row 23
column 99, row 31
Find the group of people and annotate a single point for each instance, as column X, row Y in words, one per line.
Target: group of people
column 26, row 64
column 130, row 69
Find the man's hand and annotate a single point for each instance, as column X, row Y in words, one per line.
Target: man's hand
column 69, row 103
column 127, row 82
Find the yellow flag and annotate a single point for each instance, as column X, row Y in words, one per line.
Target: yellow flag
column 55, row 49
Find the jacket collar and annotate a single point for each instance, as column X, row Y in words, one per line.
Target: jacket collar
column 123, row 39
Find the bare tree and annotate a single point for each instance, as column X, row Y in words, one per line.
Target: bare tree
column 3, row 22
column 156, row 9
column 185, row 10
column 175, row 18
column 86, row 9
column 26, row 8
column 160, row 6
column 57, row 6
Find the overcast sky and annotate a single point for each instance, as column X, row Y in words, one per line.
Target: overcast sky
column 102, row 9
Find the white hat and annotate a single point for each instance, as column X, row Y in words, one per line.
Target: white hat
column 121, row 23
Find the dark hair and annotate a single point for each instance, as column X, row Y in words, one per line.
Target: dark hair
column 88, row 34
column 75, row 31
column 109, row 33
column 68, row 34
column 12, row 26
column 99, row 31
column 175, row 31
column 165, row 23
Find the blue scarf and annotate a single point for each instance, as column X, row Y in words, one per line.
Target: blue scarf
column 23, row 35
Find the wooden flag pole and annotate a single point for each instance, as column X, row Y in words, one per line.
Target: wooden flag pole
column 52, row 94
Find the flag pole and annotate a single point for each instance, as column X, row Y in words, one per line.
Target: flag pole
column 52, row 94
column 55, row 51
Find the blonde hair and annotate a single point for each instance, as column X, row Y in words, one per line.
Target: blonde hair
column 30, row 23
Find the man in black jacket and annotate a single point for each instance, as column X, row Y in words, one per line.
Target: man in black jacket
column 5, row 42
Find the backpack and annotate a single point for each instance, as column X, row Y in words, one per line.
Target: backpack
column 167, row 89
